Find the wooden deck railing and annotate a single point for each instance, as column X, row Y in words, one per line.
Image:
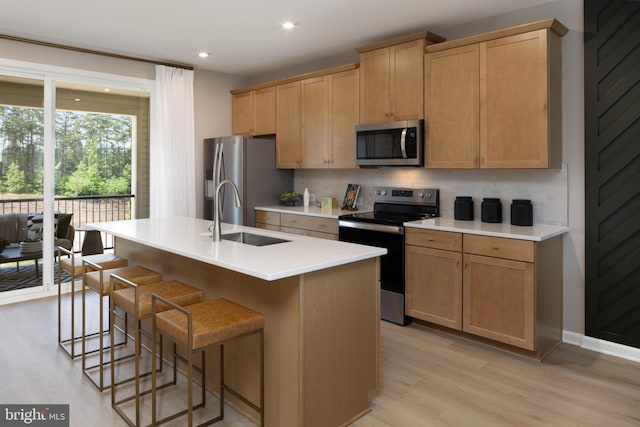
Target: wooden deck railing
column 85, row 210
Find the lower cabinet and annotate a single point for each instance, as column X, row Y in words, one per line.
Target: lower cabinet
column 498, row 300
column 434, row 277
column 503, row 289
column 324, row 228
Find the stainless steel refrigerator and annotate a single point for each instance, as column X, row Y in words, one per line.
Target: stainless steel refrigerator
column 251, row 164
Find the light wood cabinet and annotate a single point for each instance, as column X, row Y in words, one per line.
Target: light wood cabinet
column 315, row 120
column 313, row 226
column 499, row 300
column 267, row 220
column 288, row 115
column 434, row 277
column 325, row 228
column 329, row 115
column 452, row 104
column 392, row 78
column 494, row 100
column 507, row 290
column 254, row 112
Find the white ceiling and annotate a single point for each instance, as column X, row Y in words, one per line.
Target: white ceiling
column 244, row 37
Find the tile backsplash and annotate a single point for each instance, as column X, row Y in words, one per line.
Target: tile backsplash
column 546, row 188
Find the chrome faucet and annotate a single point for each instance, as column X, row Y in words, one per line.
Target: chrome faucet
column 215, row 232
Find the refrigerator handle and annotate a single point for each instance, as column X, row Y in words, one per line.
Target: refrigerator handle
column 217, row 159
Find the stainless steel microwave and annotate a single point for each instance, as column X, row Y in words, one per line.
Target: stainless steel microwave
column 390, row 143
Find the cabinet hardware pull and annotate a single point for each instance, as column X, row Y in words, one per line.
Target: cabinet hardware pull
column 431, row 239
column 495, row 247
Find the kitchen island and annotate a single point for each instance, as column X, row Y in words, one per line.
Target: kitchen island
column 320, row 302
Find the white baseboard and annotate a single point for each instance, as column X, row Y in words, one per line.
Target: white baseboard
column 602, row 346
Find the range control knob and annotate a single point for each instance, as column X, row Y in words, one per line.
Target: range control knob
column 383, row 192
column 421, row 195
column 429, row 195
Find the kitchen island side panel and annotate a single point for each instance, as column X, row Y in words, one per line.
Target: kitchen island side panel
column 301, row 314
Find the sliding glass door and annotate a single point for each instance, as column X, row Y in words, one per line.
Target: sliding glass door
column 72, row 151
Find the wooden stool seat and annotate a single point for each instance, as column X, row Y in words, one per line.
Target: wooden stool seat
column 73, row 265
column 173, row 290
column 137, row 274
column 214, row 321
column 198, row 327
column 99, row 281
column 137, row 300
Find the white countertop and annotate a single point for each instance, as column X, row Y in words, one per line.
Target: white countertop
column 535, row 233
column 189, row 237
column 301, row 210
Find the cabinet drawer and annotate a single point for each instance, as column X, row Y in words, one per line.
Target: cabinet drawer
column 434, row 239
column 266, row 217
column 323, row 225
column 499, row 247
column 310, row 233
column 267, row 226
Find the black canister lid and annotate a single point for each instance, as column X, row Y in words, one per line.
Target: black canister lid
column 463, row 197
column 521, row 201
column 491, row 200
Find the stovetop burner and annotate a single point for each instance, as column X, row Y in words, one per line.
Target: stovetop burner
column 395, row 206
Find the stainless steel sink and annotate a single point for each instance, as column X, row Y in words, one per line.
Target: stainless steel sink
column 252, row 239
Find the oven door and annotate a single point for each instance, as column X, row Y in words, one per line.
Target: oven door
column 391, row 264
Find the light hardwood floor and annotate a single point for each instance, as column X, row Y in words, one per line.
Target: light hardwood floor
column 427, row 378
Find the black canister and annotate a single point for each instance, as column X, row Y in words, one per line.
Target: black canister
column 491, row 210
column 463, row 208
column 521, row 212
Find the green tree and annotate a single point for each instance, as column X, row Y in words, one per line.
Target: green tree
column 14, row 179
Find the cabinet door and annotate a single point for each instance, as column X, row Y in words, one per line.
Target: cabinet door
column 514, row 109
column 288, row 125
column 452, row 104
column 242, row 116
column 406, row 80
column 374, row 86
column 498, row 300
column 434, row 285
column 315, row 122
column 344, row 115
column 264, row 111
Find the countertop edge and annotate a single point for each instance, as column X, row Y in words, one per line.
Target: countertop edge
column 129, row 230
column 533, row 233
column 300, row 210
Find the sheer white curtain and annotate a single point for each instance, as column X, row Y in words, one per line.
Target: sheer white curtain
column 172, row 151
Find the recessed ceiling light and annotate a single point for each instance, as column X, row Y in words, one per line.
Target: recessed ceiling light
column 204, row 54
column 106, row 89
column 77, row 99
column 288, row 25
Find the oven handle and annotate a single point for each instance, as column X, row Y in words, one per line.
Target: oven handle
column 372, row 227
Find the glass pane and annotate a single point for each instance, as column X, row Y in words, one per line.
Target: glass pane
column 21, row 179
column 97, row 132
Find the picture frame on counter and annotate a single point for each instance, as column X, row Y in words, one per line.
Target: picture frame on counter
column 351, row 197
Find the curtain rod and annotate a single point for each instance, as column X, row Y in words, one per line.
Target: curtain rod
column 91, row 51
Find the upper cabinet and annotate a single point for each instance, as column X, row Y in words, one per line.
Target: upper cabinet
column 316, row 118
column 288, row 154
column 329, row 116
column 494, row 100
column 254, row 111
column 391, row 78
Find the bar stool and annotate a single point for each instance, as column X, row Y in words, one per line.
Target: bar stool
column 136, row 300
column 73, row 266
column 199, row 327
column 99, row 281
